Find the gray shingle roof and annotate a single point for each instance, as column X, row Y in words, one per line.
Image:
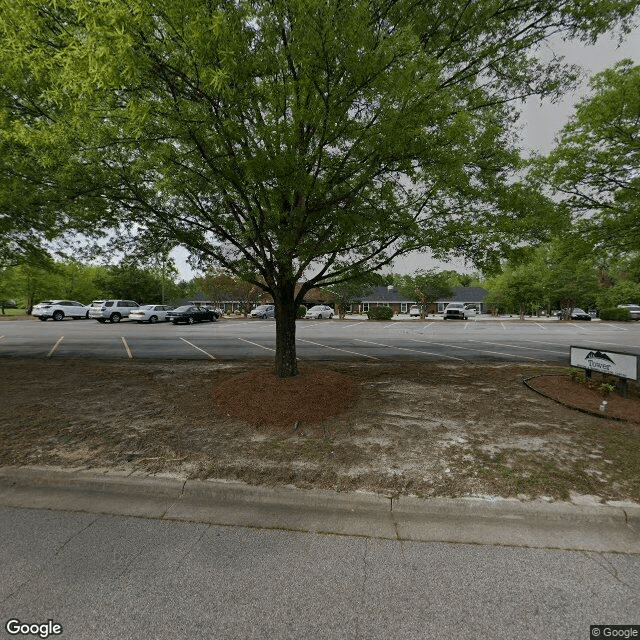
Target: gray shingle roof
column 460, row 294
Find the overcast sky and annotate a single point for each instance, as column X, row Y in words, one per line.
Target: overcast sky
column 539, row 123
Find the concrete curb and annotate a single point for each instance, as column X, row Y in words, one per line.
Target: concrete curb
column 600, row 528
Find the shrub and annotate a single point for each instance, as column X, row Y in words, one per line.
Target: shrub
column 615, row 314
column 380, row 313
column 301, row 311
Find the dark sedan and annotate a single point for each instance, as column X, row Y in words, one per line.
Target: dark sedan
column 190, row 315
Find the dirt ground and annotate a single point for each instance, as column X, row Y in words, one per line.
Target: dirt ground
column 396, row 428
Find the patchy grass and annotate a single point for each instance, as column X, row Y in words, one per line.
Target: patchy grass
column 426, row 429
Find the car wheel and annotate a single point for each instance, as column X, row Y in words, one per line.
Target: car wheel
column 58, row 315
column 153, row 319
column 86, row 315
column 115, row 317
column 190, row 321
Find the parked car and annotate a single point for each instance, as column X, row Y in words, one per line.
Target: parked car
column 9, row 304
column 111, row 310
column 576, row 314
column 459, row 311
column 320, row 311
column 634, row 310
column 60, row 309
column 414, row 312
column 263, row 311
column 189, row 314
column 150, row 313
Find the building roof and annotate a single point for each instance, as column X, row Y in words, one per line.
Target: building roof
column 467, row 294
column 390, row 295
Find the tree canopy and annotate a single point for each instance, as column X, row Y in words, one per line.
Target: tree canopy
column 289, row 140
column 595, row 166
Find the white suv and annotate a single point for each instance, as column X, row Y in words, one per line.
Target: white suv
column 59, row 309
column 111, row 310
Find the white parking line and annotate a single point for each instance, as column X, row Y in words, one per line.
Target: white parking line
column 498, row 353
column 613, row 326
column 429, row 353
column 514, row 346
column 198, row 348
column 539, row 325
column 1, row 337
column 55, row 347
column 126, row 348
column 326, row 346
column 255, row 344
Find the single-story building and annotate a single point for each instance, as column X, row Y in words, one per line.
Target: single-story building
column 389, row 296
column 473, row 296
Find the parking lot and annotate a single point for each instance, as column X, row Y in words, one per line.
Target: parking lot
column 433, row 339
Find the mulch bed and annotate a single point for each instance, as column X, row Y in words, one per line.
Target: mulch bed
column 285, row 404
column 586, row 396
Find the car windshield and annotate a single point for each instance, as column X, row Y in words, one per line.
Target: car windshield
column 455, row 305
column 577, row 310
column 183, row 309
column 97, row 303
column 47, row 302
column 148, row 307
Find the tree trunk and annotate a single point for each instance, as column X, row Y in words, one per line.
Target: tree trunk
column 285, row 311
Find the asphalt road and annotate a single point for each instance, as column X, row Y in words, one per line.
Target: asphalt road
column 431, row 340
column 104, row 577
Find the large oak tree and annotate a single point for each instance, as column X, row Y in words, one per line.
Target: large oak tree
column 290, row 141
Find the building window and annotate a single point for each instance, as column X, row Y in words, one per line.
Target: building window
column 365, row 307
column 403, row 307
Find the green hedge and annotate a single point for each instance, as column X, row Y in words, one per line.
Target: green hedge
column 301, row 311
column 615, row 314
column 380, row 313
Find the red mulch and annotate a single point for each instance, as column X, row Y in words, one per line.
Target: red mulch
column 260, row 398
column 587, row 396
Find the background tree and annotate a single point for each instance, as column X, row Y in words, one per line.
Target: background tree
column 426, row 287
column 129, row 281
column 595, row 163
column 346, row 294
column 222, row 286
column 291, row 140
column 518, row 289
column 562, row 274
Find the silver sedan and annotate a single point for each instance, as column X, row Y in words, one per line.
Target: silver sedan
column 150, row 313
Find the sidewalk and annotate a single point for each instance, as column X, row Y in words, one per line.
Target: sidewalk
column 599, row 528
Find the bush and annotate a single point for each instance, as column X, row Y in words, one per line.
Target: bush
column 615, row 314
column 301, row 311
column 380, row 313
